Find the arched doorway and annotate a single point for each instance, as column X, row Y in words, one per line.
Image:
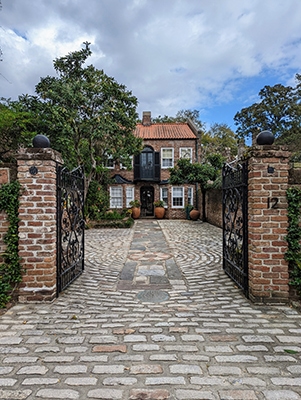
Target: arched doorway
column 147, row 200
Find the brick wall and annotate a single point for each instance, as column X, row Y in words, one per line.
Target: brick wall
column 37, row 227
column 214, row 207
column 157, row 145
column 171, row 213
column 268, row 182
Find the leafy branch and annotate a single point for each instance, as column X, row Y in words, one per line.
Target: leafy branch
column 293, row 238
column 10, row 269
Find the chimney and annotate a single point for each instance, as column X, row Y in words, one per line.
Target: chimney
column 146, row 118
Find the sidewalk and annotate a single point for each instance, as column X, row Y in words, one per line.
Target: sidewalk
column 152, row 317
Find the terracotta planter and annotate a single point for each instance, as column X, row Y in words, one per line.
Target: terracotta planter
column 159, row 212
column 194, row 215
column 136, row 212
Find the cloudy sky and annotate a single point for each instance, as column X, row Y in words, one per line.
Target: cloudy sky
column 209, row 55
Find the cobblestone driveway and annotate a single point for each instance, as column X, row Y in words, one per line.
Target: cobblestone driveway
column 152, row 317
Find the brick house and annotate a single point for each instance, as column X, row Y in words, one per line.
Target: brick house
column 163, row 145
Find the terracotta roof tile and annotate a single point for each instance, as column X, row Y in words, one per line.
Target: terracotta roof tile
column 165, row 131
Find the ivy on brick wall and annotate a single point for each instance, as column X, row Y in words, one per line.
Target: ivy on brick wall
column 293, row 238
column 10, row 269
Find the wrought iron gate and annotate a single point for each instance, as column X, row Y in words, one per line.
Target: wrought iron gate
column 70, row 226
column 235, row 223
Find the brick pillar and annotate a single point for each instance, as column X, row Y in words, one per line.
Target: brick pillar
column 268, row 182
column 37, row 226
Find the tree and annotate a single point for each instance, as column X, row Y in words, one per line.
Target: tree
column 279, row 111
column 87, row 115
column 205, row 173
column 219, row 139
column 193, row 116
column 183, row 116
column 15, row 130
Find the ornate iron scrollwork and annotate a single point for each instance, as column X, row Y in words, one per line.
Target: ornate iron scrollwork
column 71, row 226
column 235, row 223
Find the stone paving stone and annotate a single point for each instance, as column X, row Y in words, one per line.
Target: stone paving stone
column 146, row 369
column 281, row 395
column 165, row 380
column 146, row 394
column 5, row 370
column 40, row 381
column 70, row 369
column 185, row 369
column 183, row 394
column 108, row 369
column 7, row 381
column 110, row 349
column 33, row 369
column 78, row 381
column 10, row 340
column 19, row 360
column 263, row 370
column 286, row 381
column 58, row 394
column 238, row 395
column 146, row 347
column 220, row 370
column 119, row 381
column 209, row 381
column 134, row 338
column 236, row 359
column 110, row 394
column 15, row 394
column 103, row 339
column 98, row 340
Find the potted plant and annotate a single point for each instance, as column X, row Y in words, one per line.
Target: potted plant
column 159, row 209
column 194, row 214
column 135, row 205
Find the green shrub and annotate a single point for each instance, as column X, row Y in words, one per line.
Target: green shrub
column 10, row 269
column 293, row 238
column 97, row 201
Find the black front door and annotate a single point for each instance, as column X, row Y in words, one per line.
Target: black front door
column 147, row 199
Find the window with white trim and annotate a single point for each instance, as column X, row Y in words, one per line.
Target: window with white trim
column 109, row 162
column 124, row 167
column 129, row 196
column 167, row 157
column 177, row 197
column 190, row 195
column 164, row 196
column 116, row 197
column 186, row 152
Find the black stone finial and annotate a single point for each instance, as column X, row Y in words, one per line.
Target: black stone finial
column 265, row 137
column 41, row 141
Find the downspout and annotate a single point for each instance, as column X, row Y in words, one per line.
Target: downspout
column 199, row 133
column 204, row 218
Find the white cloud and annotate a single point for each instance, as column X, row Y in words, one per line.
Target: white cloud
column 172, row 54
